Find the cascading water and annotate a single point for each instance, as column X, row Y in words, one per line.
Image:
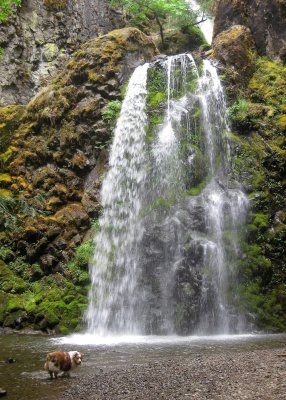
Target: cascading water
column 166, row 252
column 114, row 267
column 206, row 24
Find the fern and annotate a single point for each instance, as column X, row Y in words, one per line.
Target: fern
column 12, row 208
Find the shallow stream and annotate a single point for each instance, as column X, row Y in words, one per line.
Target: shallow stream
column 25, row 378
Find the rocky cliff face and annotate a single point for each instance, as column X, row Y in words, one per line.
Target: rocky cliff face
column 39, row 38
column 51, row 163
column 264, row 18
column 250, row 43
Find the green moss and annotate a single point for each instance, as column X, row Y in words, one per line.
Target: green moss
column 111, row 112
column 84, row 252
column 160, row 204
column 281, row 122
column 268, row 84
column 5, row 157
column 260, row 220
column 5, row 178
column 156, row 83
column 259, row 160
column 29, row 272
column 55, row 5
column 268, row 307
column 195, row 191
column 10, row 282
column 156, row 99
column 3, row 305
column 10, row 118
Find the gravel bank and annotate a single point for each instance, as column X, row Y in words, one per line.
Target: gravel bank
column 255, row 375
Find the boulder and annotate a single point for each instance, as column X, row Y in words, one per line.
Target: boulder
column 235, row 49
column 265, row 20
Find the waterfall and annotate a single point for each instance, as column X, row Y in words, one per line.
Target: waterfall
column 166, row 253
column 114, row 265
column 207, row 25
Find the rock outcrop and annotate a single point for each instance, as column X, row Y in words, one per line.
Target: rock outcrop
column 264, row 18
column 250, row 42
column 39, row 39
column 53, row 160
column 235, row 48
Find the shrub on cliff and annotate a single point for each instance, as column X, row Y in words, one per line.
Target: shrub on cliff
column 159, row 11
column 7, row 7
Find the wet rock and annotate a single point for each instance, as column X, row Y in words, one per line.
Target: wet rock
column 56, row 153
column 236, row 50
column 2, row 392
column 266, row 22
column 10, row 360
column 50, row 52
column 39, row 39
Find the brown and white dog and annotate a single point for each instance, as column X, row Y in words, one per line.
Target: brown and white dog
column 62, row 361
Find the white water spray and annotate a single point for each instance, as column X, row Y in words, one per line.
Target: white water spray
column 113, row 270
column 207, row 25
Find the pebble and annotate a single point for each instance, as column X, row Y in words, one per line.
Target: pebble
column 223, row 376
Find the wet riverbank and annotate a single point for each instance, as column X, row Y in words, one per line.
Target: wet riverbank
column 226, row 367
column 259, row 374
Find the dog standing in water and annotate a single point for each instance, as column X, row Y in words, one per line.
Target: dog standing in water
column 62, row 361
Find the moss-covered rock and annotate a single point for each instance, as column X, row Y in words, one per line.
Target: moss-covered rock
column 235, row 48
column 51, row 167
column 259, row 159
column 266, row 22
column 10, row 118
column 180, row 41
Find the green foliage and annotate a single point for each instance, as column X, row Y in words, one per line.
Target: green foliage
column 156, row 83
column 147, row 10
column 240, row 107
column 84, row 252
column 206, row 7
column 6, row 254
column 111, row 112
column 11, row 208
column 156, row 98
column 29, row 272
column 2, row 51
column 77, row 268
column 7, row 8
column 52, row 301
column 10, row 282
column 269, row 307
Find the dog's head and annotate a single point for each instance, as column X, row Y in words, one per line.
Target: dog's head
column 76, row 357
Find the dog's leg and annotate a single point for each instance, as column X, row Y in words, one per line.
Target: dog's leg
column 51, row 374
column 56, row 374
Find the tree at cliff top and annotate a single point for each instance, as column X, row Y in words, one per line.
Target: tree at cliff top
column 6, row 8
column 142, row 11
column 206, row 6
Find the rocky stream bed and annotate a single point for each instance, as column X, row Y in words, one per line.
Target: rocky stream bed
column 255, row 375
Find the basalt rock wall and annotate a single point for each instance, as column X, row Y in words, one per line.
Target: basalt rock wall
column 53, row 154
column 264, row 18
column 37, row 40
column 249, row 41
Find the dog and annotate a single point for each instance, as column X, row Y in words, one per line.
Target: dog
column 62, row 361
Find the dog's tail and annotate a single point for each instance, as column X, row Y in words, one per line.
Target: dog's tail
column 46, row 366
